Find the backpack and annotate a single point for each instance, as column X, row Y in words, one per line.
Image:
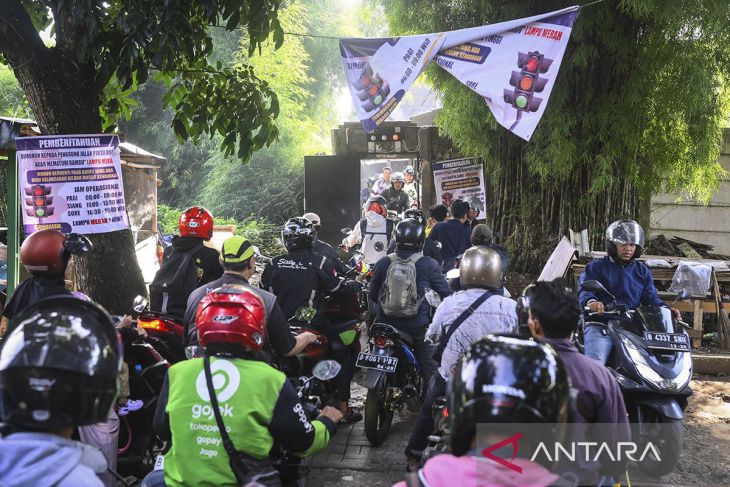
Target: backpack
column 399, row 296
column 173, row 283
column 374, row 245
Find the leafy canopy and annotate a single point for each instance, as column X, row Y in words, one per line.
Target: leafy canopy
column 642, row 93
column 118, row 43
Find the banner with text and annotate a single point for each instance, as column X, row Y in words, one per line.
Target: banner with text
column 72, row 183
column 512, row 65
column 460, row 179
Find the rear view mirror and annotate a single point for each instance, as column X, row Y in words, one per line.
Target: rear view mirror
column 139, row 304
column 452, row 274
column 593, row 286
column 326, row 369
column 346, row 231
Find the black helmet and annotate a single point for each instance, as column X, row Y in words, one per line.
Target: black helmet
column 298, row 233
column 506, row 380
column 624, row 232
column 60, row 365
column 416, row 214
column 409, row 235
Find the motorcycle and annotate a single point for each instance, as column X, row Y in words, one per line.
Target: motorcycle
column 652, row 361
column 313, row 395
column 147, row 369
column 166, row 332
column 392, row 378
column 438, row 441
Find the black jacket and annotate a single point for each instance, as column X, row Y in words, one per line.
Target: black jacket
column 207, row 260
column 325, row 249
column 396, row 200
column 31, row 290
column 430, row 249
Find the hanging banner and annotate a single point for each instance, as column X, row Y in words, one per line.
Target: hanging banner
column 460, row 179
column 72, row 183
column 512, row 65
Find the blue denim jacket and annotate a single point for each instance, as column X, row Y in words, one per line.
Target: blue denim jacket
column 633, row 284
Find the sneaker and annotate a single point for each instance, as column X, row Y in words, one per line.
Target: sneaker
column 351, row 417
column 132, row 406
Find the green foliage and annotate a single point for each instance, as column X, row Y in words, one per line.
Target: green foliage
column 12, row 101
column 642, row 93
column 266, row 236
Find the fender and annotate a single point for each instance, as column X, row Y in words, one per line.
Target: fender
column 666, row 406
column 373, row 377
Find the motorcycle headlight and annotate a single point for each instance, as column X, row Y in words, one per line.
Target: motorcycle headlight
column 648, row 373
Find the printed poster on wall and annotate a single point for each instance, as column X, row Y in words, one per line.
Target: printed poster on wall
column 72, row 183
column 460, row 179
column 512, row 65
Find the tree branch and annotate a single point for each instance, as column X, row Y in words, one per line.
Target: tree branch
column 19, row 40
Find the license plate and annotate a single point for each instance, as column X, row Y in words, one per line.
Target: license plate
column 667, row 341
column 379, row 362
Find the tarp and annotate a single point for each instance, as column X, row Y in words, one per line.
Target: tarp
column 512, row 65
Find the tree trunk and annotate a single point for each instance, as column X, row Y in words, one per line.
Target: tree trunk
column 65, row 100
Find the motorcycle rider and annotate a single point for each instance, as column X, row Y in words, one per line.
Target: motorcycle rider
column 323, row 248
column 384, row 182
column 481, row 272
column 258, row 405
column 452, row 234
column 373, row 232
column 553, row 315
column 437, row 213
column 367, row 192
column 300, row 279
column 196, row 227
column 45, row 254
column 503, row 381
column 629, row 280
column 430, row 248
column 239, row 261
column 411, row 186
column 409, row 238
column 53, row 379
column 482, row 235
column 395, row 197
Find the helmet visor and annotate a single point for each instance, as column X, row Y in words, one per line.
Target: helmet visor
column 625, row 232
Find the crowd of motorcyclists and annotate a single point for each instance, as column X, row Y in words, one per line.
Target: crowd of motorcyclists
column 496, row 360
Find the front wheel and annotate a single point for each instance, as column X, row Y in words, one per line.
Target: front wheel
column 378, row 416
column 667, row 435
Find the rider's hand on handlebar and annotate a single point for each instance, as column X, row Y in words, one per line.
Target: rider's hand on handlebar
column 308, row 337
column 596, row 307
column 333, row 414
column 677, row 314
column 126, row 322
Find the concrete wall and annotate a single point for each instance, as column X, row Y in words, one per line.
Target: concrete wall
column 688, row 219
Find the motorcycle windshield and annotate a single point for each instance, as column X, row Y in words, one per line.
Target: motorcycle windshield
column 657, row 318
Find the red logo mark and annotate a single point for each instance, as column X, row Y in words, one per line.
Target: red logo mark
column 512, row 440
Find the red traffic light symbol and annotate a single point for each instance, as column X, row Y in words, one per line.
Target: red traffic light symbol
column 532, row 64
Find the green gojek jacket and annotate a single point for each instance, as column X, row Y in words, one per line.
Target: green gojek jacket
column 258, row 407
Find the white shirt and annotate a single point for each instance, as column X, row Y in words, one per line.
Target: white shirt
column 496, row 315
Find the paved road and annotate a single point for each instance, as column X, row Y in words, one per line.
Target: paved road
column 350, row 460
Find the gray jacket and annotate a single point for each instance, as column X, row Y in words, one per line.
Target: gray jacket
column 47, row 459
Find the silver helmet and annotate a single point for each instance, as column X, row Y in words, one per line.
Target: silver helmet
column 622, row 232
column 481, row 267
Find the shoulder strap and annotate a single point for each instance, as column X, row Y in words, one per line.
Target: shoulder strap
column 417, row 256
column 236, row 465
column 462, row 317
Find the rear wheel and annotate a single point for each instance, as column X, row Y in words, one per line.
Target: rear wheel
column 667, row 435
column 378, row 416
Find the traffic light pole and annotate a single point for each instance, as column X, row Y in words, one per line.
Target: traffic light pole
column 13, row 201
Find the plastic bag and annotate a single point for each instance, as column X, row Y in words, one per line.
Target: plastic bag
column 693, row 277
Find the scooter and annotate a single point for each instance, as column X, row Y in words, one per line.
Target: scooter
column 393, row 379
column 166, row 332
column 652, row 361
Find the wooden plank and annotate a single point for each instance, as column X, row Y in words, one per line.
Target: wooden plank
column 689, row 251
column 697, row 324
column 559, row 262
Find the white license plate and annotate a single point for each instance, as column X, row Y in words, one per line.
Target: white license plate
column 667, row 341
column 379, row 362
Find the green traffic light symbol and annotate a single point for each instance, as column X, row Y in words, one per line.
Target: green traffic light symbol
column 521, row 101
column 39, row 213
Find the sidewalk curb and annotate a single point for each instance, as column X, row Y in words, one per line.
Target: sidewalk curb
column 711, row 364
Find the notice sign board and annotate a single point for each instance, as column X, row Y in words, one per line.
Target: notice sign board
column 72, row 183
column 460, row 179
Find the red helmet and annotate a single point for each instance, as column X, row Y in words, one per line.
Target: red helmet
column 196, row 221
column 232, row 314
column 46, row 252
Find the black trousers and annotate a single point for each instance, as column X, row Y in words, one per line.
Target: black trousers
column 345, row 355
column 424, row 422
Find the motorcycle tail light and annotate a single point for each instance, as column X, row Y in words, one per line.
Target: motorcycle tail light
column 381, row 342
column 156, row 325
column 446, row 412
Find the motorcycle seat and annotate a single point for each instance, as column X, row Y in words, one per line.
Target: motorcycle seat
column 392, row 331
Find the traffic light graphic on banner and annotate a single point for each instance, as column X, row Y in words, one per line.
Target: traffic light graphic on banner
column 527, row 82
column 38, row 201
column 371, row 89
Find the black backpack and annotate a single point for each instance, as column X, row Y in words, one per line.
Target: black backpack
column 173, row 282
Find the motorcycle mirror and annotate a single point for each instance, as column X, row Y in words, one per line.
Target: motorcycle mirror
column 595, row 287
column 326, row 369
column 452, row 274
column 438, row 244
column 681, row 296
column 346, row 230
column 139, row 304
